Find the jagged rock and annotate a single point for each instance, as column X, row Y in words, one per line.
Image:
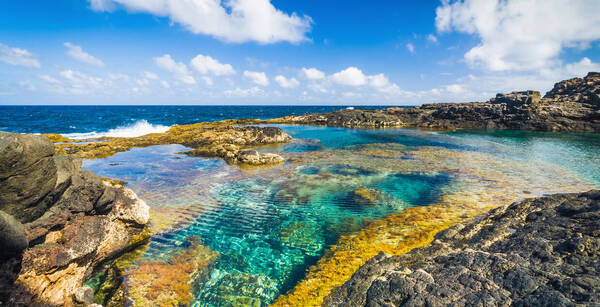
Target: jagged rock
column 12, row 236
column 573, row 105
column 72, row 219
column 518, row 98
column 537, row 252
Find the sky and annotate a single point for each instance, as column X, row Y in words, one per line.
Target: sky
column 284, row 52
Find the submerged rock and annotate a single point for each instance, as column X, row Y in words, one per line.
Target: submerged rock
column 572, row 105
column 540, row 251
column 66, row 220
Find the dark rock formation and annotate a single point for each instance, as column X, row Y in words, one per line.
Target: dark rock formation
column 573, row 105
column 12, row 236
column 537, row 252
column 66, row 220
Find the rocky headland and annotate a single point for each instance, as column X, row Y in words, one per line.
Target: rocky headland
column 57, row 223
column 536, row 252
column 572, row 106
column 232, row 140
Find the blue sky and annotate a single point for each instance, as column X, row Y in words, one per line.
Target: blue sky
column 290, row 52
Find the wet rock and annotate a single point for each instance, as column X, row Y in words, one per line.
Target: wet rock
column 12, row 236
column 537, row 252
column 67, row 221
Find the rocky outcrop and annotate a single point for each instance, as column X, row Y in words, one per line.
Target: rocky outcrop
column 572, row 105
column 228, row 139
column 58, row 222
column 537, row 252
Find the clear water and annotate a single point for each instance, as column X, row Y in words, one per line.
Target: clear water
column 269, row 225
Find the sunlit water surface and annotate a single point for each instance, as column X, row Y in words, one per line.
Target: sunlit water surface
column 253, row 233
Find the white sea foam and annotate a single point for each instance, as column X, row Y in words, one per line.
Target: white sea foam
column 139, row 128
column 350, row 108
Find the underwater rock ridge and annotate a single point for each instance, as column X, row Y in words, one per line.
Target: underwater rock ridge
column 572, row 106
column 536, row 252
column 58, row 222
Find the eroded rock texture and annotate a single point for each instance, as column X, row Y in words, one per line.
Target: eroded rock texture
column 57, row 222
column 537, row 252
column 572, row 105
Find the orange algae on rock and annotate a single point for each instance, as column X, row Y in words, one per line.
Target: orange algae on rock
column 159, row 283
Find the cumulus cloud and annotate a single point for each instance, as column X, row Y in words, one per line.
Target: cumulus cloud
column 432, row 38
column 77, row 53
column 520, row 34
column 18, row 57
column 312, row 73
column 251, row 92
column 350, row 76
column 204, row 64
column 228, row 20
column 410, row 47
column 259, row 78
column 287, row 83
column 179, row 70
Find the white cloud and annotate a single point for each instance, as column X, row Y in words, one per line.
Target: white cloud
column 78, row 54
column 165, row 84
column 149, row 75
column 204, row 64
column 259, row 78
column 521, row 34
column 251, row 92
column 432, row 38
column 18, row 57
column 287, row 83
column 207, row 80
column 312, row 73
column 179, row 70
column 410, row 47
column 229, row 20
column 49, row 79
column 350, row 76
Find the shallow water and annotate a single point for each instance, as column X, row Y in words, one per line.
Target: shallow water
column 263, row 228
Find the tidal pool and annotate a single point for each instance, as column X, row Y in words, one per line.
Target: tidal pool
column 288, row 234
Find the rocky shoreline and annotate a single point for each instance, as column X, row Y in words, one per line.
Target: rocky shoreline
column 571, row 106
column 537, row 252
column 58, row 222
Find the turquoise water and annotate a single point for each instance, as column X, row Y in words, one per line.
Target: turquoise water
column 269, row 225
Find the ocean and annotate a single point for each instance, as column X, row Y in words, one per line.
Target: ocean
column 128, row 121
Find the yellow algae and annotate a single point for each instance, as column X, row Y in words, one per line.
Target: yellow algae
column 57, row 138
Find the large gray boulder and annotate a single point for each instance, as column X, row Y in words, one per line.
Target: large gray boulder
column 12, row 236
column 27, row 175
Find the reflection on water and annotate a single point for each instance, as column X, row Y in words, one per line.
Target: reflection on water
column 231, row 236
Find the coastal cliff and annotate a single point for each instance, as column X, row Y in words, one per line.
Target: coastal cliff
column 536, row 252
column 58, row 222
column 572, row 105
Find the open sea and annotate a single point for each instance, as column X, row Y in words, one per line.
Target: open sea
column 287, row 234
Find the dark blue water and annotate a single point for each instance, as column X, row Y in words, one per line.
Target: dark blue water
column 86, row 119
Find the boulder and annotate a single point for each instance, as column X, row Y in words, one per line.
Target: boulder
column 27, row 175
